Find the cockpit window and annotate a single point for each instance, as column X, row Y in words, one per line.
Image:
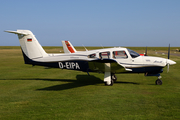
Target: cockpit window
column 119, row 54
column 133, row 53
column 92, row 56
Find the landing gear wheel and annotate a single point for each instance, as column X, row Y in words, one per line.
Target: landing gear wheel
column 113, row 77
column 158, row 82
column 111, row 84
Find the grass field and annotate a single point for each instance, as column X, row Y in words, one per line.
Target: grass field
column 28, row 93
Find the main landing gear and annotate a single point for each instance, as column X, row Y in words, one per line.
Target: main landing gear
column 113, row 79
column 159, row 81
column 108, row 79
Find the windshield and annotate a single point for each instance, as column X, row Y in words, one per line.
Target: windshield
column 133, row 53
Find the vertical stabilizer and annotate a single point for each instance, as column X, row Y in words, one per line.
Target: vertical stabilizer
column 67, row 47
column 29, row 44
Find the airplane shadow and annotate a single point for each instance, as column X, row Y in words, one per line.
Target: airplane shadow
column 121, row 82
column 81, row 80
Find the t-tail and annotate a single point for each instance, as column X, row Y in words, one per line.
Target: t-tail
column 30, row 46
column 68, row 47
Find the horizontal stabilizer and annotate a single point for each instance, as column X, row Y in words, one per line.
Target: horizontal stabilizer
column 16, row 32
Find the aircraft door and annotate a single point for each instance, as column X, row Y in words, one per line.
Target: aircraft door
column 122, row 57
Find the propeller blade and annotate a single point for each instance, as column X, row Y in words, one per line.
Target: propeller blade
column 169, row 52
column 146, row 52
column 168, row 58
column 167, row 68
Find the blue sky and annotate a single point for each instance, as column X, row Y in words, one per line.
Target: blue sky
column 93, row 22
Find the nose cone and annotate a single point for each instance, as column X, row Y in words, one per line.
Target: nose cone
column 170, row 62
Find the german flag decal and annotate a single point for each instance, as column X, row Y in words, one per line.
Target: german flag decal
column 29, row 39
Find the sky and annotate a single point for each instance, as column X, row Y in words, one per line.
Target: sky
column 93, row 22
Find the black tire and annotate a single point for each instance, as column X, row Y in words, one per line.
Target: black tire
column 113, row 77
column 158, row 82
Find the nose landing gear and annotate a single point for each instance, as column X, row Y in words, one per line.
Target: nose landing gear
column 159, row 81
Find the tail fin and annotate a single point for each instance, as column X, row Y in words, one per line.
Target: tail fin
column 68, row 48
column 29, row 44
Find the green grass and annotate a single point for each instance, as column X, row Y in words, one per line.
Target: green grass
column 28, row 92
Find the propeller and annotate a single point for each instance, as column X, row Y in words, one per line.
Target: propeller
column 169, row 51
column 146, row 52
column 168, row 58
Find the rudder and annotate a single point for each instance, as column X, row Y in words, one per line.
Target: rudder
column 67, row 47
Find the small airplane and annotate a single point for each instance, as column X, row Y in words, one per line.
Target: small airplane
column 109, row 61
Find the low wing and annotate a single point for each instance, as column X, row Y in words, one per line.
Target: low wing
column 99, row 66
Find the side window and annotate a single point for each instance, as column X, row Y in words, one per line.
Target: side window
column 103, row 55
column 119, row 55
column 92, row 56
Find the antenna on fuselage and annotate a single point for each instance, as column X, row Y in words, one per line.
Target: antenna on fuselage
column 101, row 46
column 84, row 47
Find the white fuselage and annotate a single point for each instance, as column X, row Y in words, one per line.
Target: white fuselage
column 121, row 55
